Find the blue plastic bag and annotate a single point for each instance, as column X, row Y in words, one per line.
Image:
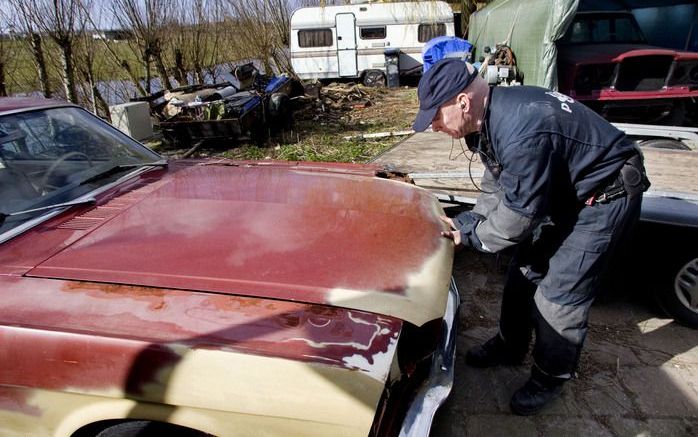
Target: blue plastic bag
column 445, row 47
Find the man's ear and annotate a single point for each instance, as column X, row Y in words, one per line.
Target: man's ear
column 463, row 101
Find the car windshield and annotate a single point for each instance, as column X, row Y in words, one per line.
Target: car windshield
column 605, row 29
column 52, row 156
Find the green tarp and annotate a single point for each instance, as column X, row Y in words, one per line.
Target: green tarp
column 530, row 28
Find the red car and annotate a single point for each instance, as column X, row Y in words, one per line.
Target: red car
column 605, row 62
column 146, row 297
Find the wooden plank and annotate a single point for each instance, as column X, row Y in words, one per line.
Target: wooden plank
column 430, row 152
column 672, row 170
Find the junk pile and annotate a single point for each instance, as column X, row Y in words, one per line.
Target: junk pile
column 257, row 106
column 330, row 103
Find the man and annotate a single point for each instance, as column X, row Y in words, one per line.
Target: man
column 563, row 185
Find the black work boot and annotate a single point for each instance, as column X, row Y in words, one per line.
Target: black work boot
column 539, row 391
column 494, row 352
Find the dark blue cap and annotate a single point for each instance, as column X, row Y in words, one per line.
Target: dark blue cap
column 441, row 83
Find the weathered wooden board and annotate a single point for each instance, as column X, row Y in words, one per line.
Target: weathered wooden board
column 672, row 170
column 430, row 152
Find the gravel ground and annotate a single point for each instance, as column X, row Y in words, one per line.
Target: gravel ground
column 638, row 373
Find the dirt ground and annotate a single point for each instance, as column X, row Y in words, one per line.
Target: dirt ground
column 638, row 374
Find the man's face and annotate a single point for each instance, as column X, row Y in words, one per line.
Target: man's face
column 453, row 119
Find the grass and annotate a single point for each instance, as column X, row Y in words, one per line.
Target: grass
column 327, row 151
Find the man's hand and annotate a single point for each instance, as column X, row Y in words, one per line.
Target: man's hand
column 454, row 233
column 462, row 229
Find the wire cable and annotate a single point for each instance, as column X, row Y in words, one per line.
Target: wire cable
column 471, row 157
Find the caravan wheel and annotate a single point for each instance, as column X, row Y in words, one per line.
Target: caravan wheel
column 374, row 78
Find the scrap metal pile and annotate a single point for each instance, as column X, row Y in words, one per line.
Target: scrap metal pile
column 257, row 106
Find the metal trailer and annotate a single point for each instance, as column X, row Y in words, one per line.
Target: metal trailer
column 249, row 117
column 250, row 113
column 349, row 41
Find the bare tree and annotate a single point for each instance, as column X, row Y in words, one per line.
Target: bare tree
column 197, row 38
column 23, row 18
column 3, row 63
column 86, row 52
column 59, row 20
column 6, row 49
column 147, row 19
column 262, row 29
column 91, row 11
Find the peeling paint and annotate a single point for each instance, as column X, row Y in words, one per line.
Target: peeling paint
column 378, row 366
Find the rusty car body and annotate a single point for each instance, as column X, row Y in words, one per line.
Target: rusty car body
column 605, row 62
column 217, row 297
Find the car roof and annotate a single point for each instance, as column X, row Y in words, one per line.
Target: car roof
column 14, row 104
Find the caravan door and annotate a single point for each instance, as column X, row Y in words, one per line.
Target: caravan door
column 346, row 44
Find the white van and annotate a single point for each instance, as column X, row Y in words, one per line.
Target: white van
column 350, row 40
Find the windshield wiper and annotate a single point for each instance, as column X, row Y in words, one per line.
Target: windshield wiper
column 4, row 215
column 117, row 168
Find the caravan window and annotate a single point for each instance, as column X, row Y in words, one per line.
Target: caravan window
column 372, row 32
column 425, row 32
column 315, row 38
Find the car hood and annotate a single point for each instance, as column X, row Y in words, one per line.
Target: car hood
column 331, row 235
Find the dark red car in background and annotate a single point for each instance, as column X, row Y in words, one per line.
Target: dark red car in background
column 605, row 62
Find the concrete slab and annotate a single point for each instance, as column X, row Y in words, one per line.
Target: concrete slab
column 623, row 427
column 571, row 426
column 663, row 391
column 603, row 394
column 489, row 425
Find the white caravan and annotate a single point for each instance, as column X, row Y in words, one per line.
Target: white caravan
column 350, row 40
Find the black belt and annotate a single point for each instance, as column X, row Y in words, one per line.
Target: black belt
column 630, row 181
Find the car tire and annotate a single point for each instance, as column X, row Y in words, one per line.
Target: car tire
column 147, row 428
column 681, row 300
column 374, row 78
column 662, row 143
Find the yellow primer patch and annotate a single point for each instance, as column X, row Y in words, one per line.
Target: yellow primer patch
column 272, row 386
column 64, row 413
column 423, row 300
column 222, row 393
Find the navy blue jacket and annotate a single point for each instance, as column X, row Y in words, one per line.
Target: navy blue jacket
column 553, row 153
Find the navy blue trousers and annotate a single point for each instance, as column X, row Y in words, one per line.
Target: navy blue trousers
column 555, row 276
